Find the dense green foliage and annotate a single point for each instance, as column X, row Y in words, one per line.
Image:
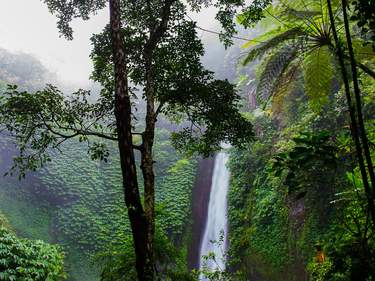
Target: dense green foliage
column 205, row 108
column 290, row 195
column 27, row 260
column 79, row 202
column 117, row 263
column 296, row 193
column 364, row 11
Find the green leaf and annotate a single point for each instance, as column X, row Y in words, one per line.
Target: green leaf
column 318, row 73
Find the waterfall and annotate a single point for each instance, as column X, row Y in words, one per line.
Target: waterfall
column 216, row 224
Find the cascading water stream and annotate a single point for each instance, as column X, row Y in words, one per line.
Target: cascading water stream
column 216, row 225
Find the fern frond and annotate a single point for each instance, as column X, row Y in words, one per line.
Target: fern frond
column 275, row 67
column 283, row 88
column 285, row 82
column 318, row 74
column 259, row 50
column 302, row 5
column 269, row 22
column 263, row 37
column 290, row 14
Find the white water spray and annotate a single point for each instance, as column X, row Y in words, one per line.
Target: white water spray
column 217, row 221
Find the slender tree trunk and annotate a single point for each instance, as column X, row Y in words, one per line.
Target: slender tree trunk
column 357, row 94
column 147, row 162
column 353, row 121
column 137, row 216
column 157, row 31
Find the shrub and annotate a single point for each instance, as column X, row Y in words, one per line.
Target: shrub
column 26, row 260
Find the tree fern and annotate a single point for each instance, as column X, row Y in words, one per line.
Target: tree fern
column 289, row 13
column 301, row 25
column 318, row 74
column 283, row 97
column 267, row 35
column 285, row 82
column 259, row 50
column 307, row 5
column 275, row 67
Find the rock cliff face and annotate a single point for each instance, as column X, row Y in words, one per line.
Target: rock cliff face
column 297, row 215
column 201, row 195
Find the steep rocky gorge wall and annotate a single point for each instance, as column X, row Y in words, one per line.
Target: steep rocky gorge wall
column 200, row 199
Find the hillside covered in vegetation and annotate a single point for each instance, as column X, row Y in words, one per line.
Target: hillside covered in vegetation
column 246, row 158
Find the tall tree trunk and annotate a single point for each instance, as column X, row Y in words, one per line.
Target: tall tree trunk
column 147, row 162
column 137, row 216
column 353, row 121
column 357, row 94
column 157, row 31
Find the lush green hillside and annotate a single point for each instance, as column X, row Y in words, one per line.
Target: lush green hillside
column 78, row 203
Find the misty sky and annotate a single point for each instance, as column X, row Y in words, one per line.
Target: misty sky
column 27, row 26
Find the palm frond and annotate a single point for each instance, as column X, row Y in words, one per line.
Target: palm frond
column 259, row 50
